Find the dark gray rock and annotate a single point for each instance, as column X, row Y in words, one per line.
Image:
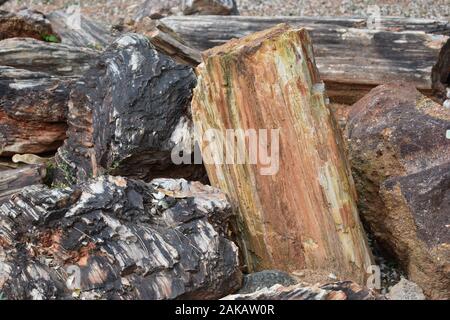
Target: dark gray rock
column 266, row 279
column 128, row 112
column 114, row 238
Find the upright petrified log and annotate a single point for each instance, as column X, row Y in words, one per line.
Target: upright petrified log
column 56, row 59
column 25, row 23
column 33, row 109
column 113, row 238
column 303, row 215
column 128, row 112
column 400, row 159
column 351, row 59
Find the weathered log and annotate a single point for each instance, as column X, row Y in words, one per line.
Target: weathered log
column 26, row 23
column 56, row 59
column 351, row 60
column 332, row 291
column 206, row 7
column 167, row 41
column 90, row 33
column 298, row 209
column 128, row 112
column 114, row 238
column 33, row 109
column 37, row 96
column 14, row 180
column 395, row 131
column 23, row 136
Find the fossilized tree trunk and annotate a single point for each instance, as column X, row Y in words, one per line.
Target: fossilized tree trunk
column 304, row 215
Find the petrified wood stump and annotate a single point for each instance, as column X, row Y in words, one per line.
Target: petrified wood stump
column 113, row 238
column 127, row 113
column 303, row 215
column 396, row 132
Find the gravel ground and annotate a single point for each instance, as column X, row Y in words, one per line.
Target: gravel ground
column 114, row 11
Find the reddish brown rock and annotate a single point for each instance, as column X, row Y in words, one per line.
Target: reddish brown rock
column 397, row 142
column 416, row 227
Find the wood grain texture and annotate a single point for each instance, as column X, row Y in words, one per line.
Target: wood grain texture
column 305, row 215
column 14, row 180
column 351, row 59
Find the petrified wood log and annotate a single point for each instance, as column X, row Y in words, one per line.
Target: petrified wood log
column 395, row 131
column 303, row 215
column 25, row 23
column 213, row 7
column 114, row 238
column 14, row 180
column 128, row 112
column 167, row 41
column 351, row 60
column 90, row 34
column 56, row 59
column 33, row 109
column 332, row 291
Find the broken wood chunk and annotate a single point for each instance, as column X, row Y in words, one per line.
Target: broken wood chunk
column 128, row 112
column 26, row 23
column 14, row 180
column 296, row 204
column 351, row 59
column 115, row 238
column 167, row 41
column 55, row 59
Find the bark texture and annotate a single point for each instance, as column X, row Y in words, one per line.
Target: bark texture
column 351, row 59
column 33, row 108
column 303, row 215
column 127, row 113
column 400, row 158
column 14, row 180
column 113, row 238
column 25, row 23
